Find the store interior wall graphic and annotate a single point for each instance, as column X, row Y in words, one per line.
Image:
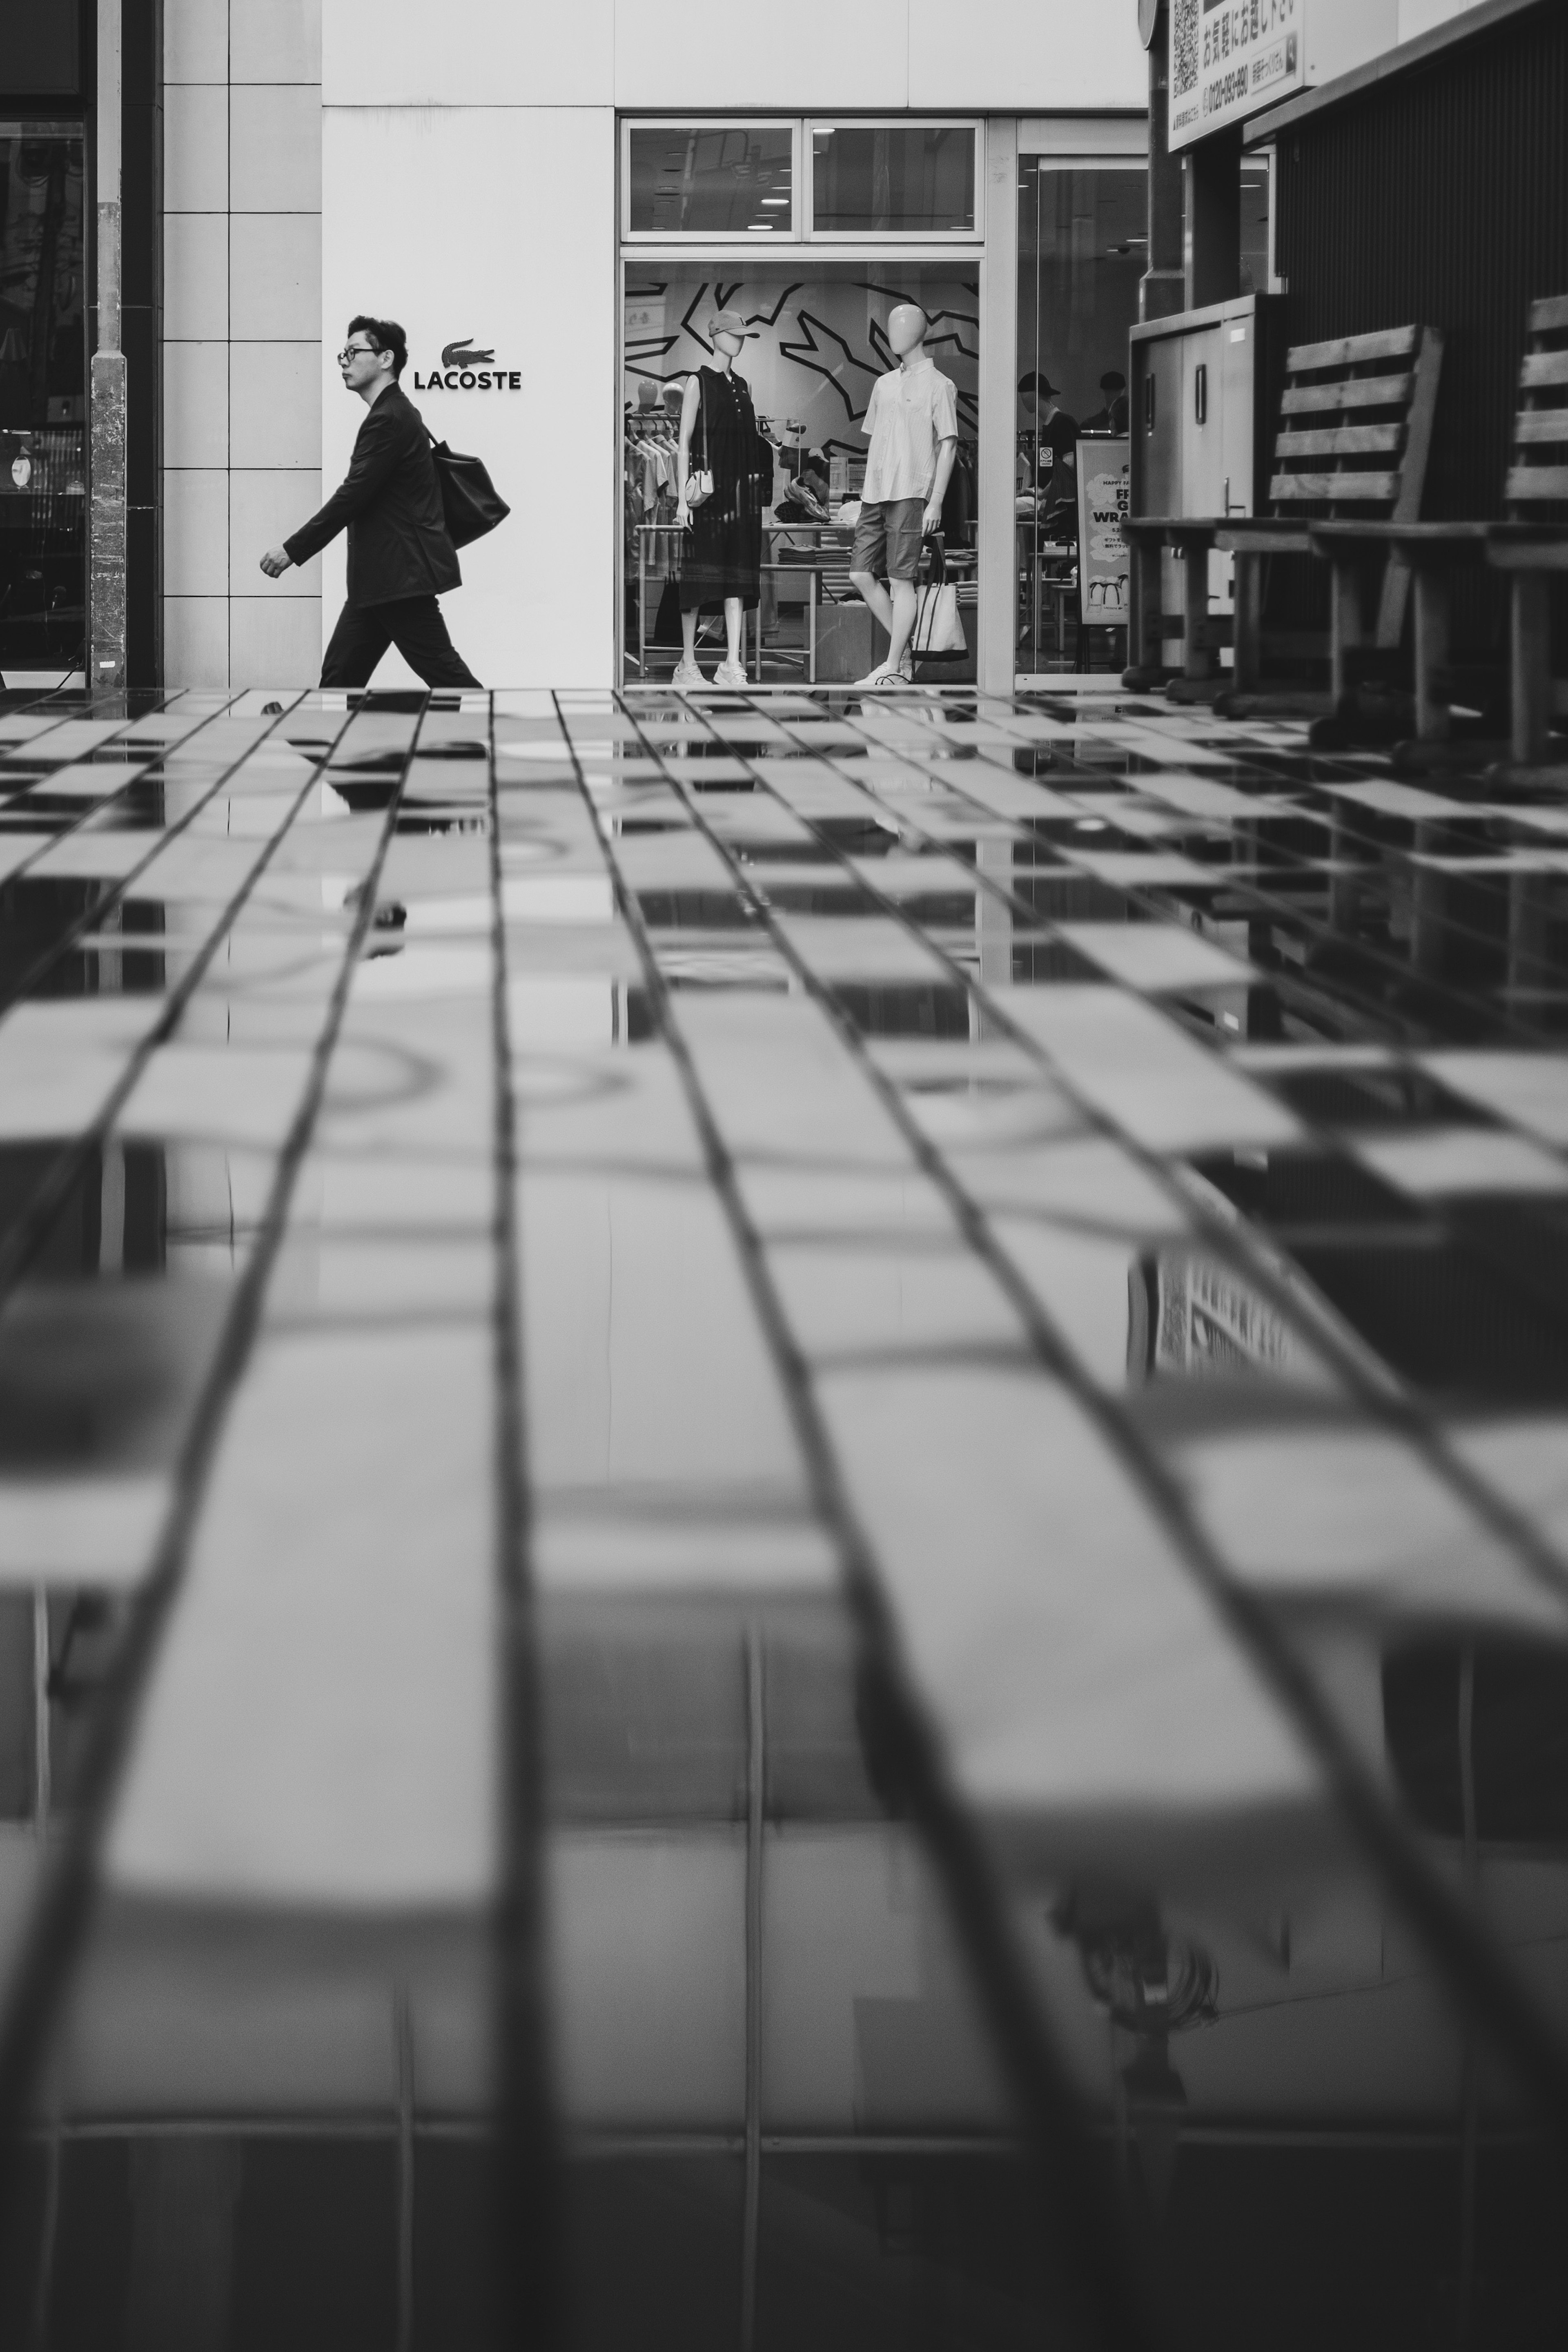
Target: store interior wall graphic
column 818, row 339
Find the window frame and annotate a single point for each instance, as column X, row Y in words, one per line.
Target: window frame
column 896, row 238
column 730, row 240
column 802, row 229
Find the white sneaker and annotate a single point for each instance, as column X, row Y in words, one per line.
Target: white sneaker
column 730, row 673
column 688, row 674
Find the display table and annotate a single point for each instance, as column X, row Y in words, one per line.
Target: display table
column 815, row 556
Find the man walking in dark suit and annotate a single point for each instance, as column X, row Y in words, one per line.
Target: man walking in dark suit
column 400, row 558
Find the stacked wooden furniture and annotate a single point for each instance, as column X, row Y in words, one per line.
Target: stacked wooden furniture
column 1530, row 546
column 1355, row 432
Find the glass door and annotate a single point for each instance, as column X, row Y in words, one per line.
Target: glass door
column 1082, row 237
column 808, row 234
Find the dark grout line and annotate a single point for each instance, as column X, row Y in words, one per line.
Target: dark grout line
column 1384, row 1398
column 1474, row 1965
column 528, row 2220
column 121, row 886
column 1079, row 2212
column 1147, row 895
column 63, row 1907
column 22, row 1243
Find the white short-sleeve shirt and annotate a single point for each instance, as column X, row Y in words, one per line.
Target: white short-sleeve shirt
column 911, row 413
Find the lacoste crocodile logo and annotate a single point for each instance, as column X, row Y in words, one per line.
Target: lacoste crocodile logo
column 464, row 369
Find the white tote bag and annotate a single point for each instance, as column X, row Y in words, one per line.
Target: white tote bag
column 939, row 632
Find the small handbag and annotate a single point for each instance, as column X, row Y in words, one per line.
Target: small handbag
column 699, row 485
column 939, row 630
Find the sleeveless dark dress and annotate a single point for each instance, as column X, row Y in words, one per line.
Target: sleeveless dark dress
column 722, row 551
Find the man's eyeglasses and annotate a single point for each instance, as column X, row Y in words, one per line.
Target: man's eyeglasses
column 356, row 352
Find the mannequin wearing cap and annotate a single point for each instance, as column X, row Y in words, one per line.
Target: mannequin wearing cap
column 721, row 554
column 912, row 421
column 1046, row 441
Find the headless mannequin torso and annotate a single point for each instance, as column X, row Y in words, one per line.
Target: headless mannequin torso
column 906, row 329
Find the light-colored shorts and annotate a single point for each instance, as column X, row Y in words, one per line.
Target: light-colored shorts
column 888, row 538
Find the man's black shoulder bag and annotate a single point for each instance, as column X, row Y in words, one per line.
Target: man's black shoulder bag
column 469, row 500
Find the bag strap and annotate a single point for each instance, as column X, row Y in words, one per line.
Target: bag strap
column 692, row 467
column 932, row 539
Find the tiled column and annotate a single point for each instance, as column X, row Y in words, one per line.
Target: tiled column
column 242, row 427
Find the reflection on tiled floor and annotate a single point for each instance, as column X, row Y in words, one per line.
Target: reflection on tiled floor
column 783, row 1529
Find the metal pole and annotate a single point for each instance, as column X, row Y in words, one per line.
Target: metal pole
column 1163, row 287
column 106, row 575
column 997, row 484
column 403, row 2041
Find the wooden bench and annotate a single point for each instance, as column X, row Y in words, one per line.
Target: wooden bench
column 1530, row 546
column 1355, row 432
column 1533, row 544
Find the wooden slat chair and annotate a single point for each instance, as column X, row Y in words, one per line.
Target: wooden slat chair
column 1531, row 545
column 1355, row 432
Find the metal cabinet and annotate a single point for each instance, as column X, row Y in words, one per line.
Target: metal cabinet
column 1202, row 391
column 1157, row 429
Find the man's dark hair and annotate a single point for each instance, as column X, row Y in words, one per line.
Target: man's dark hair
column 385, row 335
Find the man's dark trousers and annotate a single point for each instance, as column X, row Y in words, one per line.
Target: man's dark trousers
column 413, row 624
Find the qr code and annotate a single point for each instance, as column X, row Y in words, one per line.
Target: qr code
column 1185, row 15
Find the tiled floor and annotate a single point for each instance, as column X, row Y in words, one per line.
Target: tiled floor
column 784, row 1529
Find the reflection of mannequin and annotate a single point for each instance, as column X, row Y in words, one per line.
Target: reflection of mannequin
column 912, row 421
column 721, row 556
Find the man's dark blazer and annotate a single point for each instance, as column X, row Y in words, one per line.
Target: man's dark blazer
column 391, row 501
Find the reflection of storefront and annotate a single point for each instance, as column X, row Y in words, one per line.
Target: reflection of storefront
column 873, row 216
column 43, row 456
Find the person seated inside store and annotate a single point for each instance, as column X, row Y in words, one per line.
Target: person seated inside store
column 1048, row 439
column 1112, row 417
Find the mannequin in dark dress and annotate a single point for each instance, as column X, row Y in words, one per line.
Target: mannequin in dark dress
column 721, row 552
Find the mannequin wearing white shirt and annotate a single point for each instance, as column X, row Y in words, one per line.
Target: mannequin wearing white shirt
column 908, row 327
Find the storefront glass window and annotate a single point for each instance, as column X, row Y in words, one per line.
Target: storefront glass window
column 43, row 457
column 711, row 180
column 1083, row 238
column 882, row 178
column 816, row 342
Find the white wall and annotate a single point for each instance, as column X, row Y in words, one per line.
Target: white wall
column 1343, row 33
column 1417, row 17
column 1004, row 56
column 497, row 223
column 242, row 310
column 456, row 169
